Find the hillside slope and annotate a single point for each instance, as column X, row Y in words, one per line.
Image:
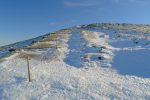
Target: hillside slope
column 77, row 64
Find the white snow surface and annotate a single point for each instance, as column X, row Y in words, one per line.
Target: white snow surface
column 71, row 73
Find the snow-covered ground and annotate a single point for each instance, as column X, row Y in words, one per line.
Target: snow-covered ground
column 80, row 69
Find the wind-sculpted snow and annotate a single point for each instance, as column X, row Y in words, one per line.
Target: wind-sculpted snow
column 81, row 68
column 131, row 51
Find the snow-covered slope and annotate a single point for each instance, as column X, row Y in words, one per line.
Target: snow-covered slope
column 75, row 64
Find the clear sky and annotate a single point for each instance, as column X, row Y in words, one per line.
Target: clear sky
column 25, row 19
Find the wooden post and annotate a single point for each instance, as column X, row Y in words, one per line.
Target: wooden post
column 28, row 69
column 56, row 41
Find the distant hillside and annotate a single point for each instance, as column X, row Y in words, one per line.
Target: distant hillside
column 123, row 26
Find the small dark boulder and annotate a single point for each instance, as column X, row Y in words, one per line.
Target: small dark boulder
column 12, row 50
column 100, row 58
column 136, row 42
column 33, row 42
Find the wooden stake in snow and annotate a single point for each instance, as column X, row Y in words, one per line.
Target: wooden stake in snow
column 56, row 41
column 28, row 69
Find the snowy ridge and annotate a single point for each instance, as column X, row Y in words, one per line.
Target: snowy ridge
column 98, row 41
column 79, row 69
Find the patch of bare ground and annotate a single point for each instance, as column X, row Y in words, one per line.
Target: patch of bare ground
column 2, row 60
column 135, row 27
column 51, row 40
column 32, row 55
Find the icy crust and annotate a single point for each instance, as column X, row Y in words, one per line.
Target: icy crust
column 89, row 76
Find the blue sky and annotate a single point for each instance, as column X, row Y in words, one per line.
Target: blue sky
column 25, row 19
